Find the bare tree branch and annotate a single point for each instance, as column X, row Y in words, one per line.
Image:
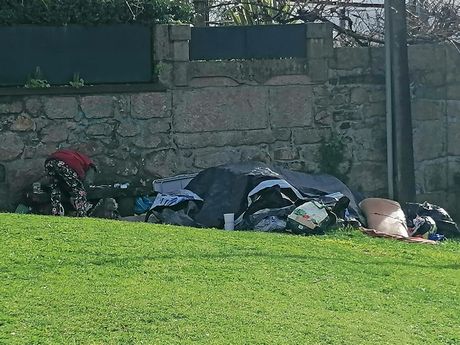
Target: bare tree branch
column 352, row 21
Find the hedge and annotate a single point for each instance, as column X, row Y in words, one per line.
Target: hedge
column 92, row 12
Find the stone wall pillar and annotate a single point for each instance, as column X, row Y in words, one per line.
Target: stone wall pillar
column 319, row 50
column 171, row 53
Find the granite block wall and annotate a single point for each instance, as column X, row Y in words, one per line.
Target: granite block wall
column 324, row 112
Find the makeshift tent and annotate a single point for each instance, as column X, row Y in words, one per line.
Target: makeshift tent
column 235, row 188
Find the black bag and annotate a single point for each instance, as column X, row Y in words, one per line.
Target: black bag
column 444, row 223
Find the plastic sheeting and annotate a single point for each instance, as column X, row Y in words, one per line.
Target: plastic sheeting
column 225, row 189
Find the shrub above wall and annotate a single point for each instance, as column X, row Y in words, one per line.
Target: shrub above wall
column 92, row 12
column 76, row 42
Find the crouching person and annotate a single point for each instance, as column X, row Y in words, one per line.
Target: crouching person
column 67, row 170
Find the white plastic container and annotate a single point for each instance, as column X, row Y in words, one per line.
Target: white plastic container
column 229, row 221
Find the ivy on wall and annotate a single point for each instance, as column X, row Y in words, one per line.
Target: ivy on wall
column 92, row 12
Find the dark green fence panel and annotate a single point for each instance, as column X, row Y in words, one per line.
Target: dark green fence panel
column 101, row 54
column 248, row 42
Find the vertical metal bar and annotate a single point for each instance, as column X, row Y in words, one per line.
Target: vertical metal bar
column 401, row 106
column 389, row 102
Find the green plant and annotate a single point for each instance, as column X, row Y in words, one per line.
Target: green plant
column 253, row 12
column 77, row 82
column 331, row 155
column 37, row 80
column 94, row 12
column 158, row 68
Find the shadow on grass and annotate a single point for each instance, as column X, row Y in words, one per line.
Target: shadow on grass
column 125, row 260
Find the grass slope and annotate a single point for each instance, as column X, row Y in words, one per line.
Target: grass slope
column 66, row 281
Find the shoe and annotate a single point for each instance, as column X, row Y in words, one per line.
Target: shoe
column 58, row 210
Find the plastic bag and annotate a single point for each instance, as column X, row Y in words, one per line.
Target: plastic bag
column 270, row 223
column 444, row 223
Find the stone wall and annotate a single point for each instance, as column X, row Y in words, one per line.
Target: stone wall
column 435, row 72
column 305, row 114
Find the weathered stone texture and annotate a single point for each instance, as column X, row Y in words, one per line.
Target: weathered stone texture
column 255, row 153
column 350, row 58
column 10, row 107
column 453, row 176
column 230, row 138
column 320, row 48
column 161, row 44
column 6, row 201
column 318, row 69
column 295, row 79
column 22, row 172
column 158, row 125
column 287, row 153
column 310, row 135
column 2, row 174
column 212, row 81
column 162, row 164
column 11, row 146
column 429, row 140
column 214, row 109
column 61, row 107
column 152, row 141
column 180, row 74
column 368, row 144
column 100, row 129
column 206, row 158
column 435, row 176
column 427, row 109
column 180, row 32
column 41, row 150
column 368, row 177
column 377, row 60
column 34, row 106
column 377, row 94
column 309, row 158
column 453, row 91
column 92, row 147
column 359, row 95
column 310, row 153
column 149, row 105
column 453, row 136
column 426, row 56
column 55, row 133
column 128, row 128
column 180, row 51
column 95, row 107
column 121, row 106
column 291, row 106
column 323, row 118
column 453, row 109
column 377, row 109
column 23, row 123
column 254, row 72
column 319, row 30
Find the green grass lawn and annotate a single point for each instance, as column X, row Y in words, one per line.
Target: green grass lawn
column 86, row 281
